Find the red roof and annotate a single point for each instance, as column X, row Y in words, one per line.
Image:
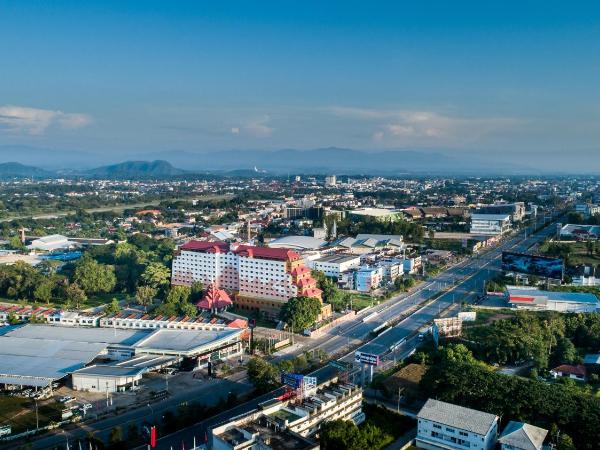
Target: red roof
column 204, row 246
column 214, row 298
column 280, row 254
column 571, row 370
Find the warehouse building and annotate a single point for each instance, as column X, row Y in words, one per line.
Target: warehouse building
column 538, row 300
column 37, row 355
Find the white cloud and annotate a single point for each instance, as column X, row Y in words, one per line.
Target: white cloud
column 259, row 127
column 235, row 130
column 20, row 119
column 402, row 126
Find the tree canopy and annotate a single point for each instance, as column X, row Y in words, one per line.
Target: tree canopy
column 301, row 312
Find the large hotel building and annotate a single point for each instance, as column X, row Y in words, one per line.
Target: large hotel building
column 261, row 279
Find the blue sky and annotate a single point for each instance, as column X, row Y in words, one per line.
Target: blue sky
column 146, row 75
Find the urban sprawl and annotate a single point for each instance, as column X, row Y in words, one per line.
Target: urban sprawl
column 300, row 312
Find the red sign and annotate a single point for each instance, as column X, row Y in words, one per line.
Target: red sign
column 153, row 436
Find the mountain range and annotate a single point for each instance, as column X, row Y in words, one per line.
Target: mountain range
column 237, row 162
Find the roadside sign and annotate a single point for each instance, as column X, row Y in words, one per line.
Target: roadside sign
column 340, row 365
column 366, row 358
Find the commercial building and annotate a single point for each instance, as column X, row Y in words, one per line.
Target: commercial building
column 580, row 232
column 515, row 210
column 587, row 209
column 330, row 180
column 445, row 426
column 290, row 423
column 334, row 265
column 261, row 279
column 490, row 224
column 368, row 278
column 37, row 355
column 522, row 436
column 538, row 300
column 298, row 212
column 298, row 243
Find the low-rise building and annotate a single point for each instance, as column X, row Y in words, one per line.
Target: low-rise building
column 334, row 265
column 368, row 278
column 445, row 426
column 412, row 265
column 577, row 372
column 538, row 300
column 290, row 423
column 522, row 436
column 490, row 224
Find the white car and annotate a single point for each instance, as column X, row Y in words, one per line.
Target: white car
column 65, row 399
column 86, row 406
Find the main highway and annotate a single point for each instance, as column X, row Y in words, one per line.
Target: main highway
column 403, row 316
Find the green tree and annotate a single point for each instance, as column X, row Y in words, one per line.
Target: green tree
column 15, row 243
column 94, row 277
column 112, row 308
column 262, row 374
column 565, row 442
column 156, row 275
column 115, row 439
column 75, row 296
column 43, row 291
column 341, row 434
column 565, row 352
column 196, row 289
column 178, row 294
column 144, row 295
column 300, row 312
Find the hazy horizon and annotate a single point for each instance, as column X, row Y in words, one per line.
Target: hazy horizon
column 502, row 82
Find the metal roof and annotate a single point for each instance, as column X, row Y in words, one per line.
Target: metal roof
column 555, row 296
column 80, row 334
column 110, row 371
column 297, row 242
column 523, row 436
column 184, row 341
column 456, row 416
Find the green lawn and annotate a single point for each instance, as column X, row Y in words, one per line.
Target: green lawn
column 19, row 413
column 361, row 301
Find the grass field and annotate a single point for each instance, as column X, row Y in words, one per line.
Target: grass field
column 19, row 413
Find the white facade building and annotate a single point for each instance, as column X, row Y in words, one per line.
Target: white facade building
column 566, row 302
column 490, row 224
column 368, row 278
column 334, row 265
column 330, row 180
column 261, row 278
column 522, row 436
column 445, row 426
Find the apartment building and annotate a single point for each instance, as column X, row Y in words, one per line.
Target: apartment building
column 290, row 423
column 261, row 279
column 444, row 426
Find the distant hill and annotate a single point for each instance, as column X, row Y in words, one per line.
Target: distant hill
column 18, row 170
column 341, row 160
column 136, row 169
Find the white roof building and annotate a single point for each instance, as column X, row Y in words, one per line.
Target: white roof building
column 51, row 242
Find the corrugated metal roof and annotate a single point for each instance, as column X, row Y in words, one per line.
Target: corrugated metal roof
column 457, row 416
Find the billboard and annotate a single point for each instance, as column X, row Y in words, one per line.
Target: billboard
column 541, row 266
column 292, row 380
column 366, row 358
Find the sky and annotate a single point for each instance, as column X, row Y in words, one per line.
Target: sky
column 491, row 77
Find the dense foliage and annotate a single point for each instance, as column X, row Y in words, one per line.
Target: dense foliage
column 301, row 312
column 465, row 382
column 547, row 338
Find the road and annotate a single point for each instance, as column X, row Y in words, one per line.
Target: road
column 460, row 282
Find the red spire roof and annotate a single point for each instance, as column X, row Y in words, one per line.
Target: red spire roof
column 214, row 298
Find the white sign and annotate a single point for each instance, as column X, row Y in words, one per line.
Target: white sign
column 366, row 358
column 468, row 316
